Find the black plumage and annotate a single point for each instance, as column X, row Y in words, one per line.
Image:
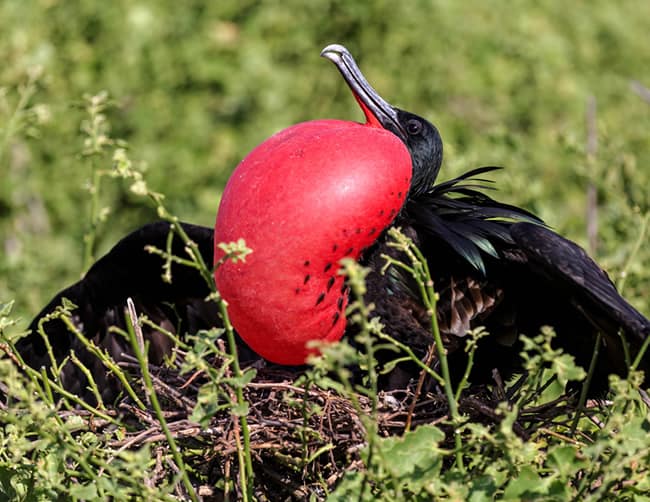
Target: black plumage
column 499, row 266
column 128, row 270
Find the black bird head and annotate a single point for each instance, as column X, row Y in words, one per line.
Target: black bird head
column 420, row 136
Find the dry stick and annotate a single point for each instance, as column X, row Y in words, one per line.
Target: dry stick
column 592, row 194
column 640, row 89
column 418, row 388
column 237, row 432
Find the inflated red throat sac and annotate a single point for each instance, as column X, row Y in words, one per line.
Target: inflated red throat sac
column 302, row 200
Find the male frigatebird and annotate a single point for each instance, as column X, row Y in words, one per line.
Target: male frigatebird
column 325, row 190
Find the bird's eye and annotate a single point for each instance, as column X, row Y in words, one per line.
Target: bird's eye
column 413, row 127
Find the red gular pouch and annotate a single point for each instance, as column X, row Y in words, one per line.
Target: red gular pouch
column 302, row 200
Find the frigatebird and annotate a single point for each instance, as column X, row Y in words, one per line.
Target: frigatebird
column 493, row 264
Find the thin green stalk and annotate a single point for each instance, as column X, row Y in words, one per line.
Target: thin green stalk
column 125, row 170
column 96, row 129
column 91, row 380
column 422, row 276
column 356, row 281
column 106, row 361
column 26, row 92
column 635, row 250
column 153, row 396
column 90, row 236
column 585, row 387
column 206, row 273
column 56, row 368
column 413, row 358
column 244, row 458
column 46, row 385
column 444, row 365
column 245, row 461
column 431, row 303
column 468, row 369
column 177, row 341
column 35, row 375
column 639, row 356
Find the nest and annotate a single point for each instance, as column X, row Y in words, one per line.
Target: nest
column 303, row 439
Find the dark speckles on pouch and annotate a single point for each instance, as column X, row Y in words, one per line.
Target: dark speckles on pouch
column 358, row 231
column 373, row 230
column 320, row 298
column 399, row 194
column 344, row 288
column 307, row 277
column 297, row 291
column 339, row 303
column 306, row 263
column 381, row 213
column 335, row 318
column 330, row 283
column 334, row 248
column 392, row 213
column 327, row 267
column 349, row 251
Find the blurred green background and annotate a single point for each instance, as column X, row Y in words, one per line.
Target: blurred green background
column 195, row 85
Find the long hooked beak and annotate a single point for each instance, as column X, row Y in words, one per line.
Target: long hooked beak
column 378, row 112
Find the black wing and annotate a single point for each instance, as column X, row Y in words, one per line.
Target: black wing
column 498, row 266
column 127, row 271
column 587, row 286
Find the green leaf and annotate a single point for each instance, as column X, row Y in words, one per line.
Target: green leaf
column 415, row 457
column 5, row 308
column 566, row 369
column 524, row 485
column 482, row 489
column 563, row 459
column 83, row 492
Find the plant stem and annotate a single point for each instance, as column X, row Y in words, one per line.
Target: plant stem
column 585, row 386
column 26, row 92
column 153, row 396
column 422, row 276
column 90, row 237
column 245, row 463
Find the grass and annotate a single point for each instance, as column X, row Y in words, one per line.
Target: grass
column 134, row 100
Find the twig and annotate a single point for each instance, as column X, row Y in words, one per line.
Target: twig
column 641, row 90
column 418, row 388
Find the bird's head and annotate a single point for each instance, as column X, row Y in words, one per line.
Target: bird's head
column 420, row 136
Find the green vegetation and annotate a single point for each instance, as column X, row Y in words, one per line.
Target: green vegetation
column 96, row 97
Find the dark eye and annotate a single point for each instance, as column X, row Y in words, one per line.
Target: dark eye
column 413, row 127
